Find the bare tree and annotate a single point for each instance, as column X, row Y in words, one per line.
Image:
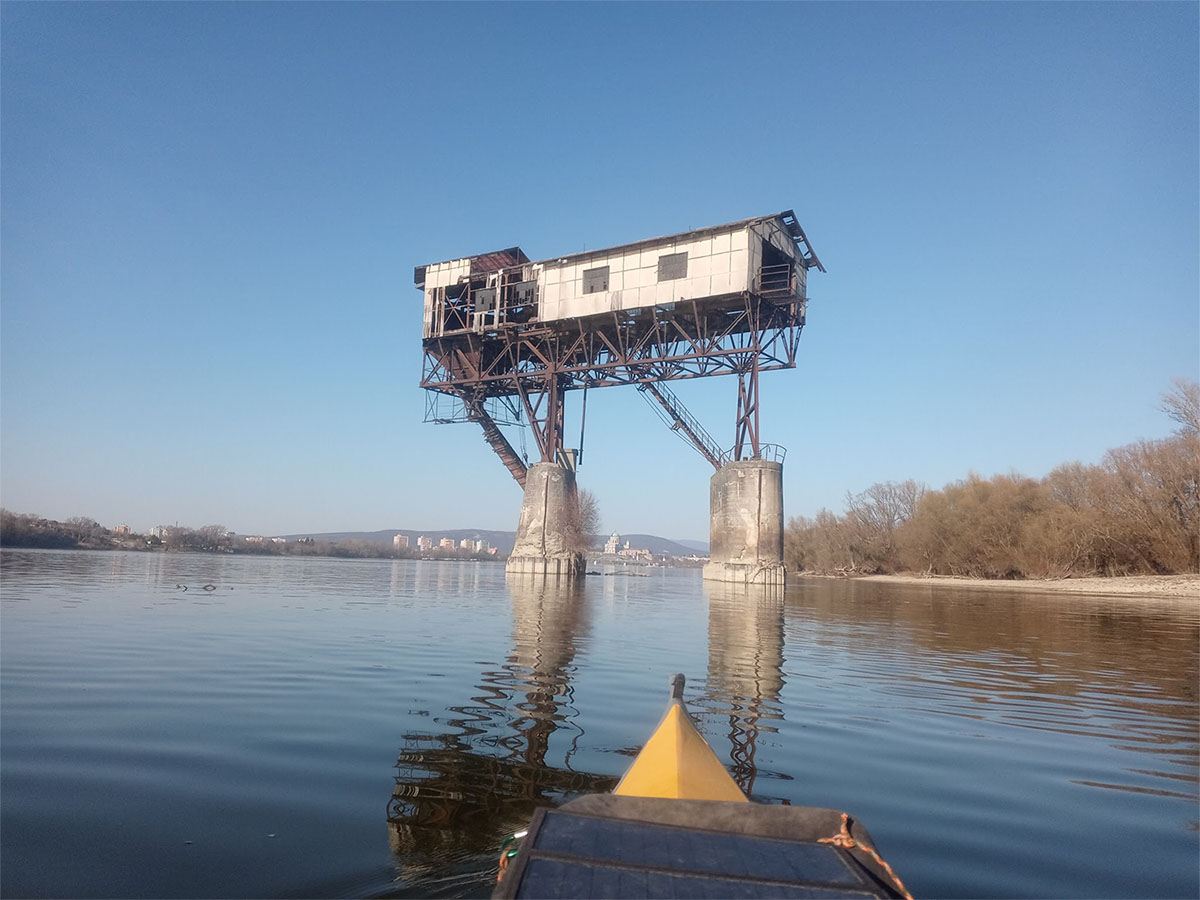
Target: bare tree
column 1151, row 505
column 84, row 529
column 873, row 518
column 589, row 513
column 583, row 521
column 1182, row 403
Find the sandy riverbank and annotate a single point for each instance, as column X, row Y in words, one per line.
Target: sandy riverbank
column 1130, row 586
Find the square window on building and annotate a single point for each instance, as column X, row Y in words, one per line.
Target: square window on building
column 672, row 266
column 595, row 280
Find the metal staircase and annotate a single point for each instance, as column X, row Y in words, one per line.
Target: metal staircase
column 676, row 416
column 476, row 412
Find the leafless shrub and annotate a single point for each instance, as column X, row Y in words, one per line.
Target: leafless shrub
column 582, row 523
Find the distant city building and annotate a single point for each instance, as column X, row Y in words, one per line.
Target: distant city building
column 122, row 529
column 481, row 546
column 424, row 543
column 400, row 542
column 255, row 539
column 158, row 531
column 278, row 540
column 466, row 544
column 610, row 546
column 447, row 543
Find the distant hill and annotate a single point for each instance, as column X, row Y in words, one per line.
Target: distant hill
column 501, row 540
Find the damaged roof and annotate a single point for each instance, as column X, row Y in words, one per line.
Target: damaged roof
column 483, row 262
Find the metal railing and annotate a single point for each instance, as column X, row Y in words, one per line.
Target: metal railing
column 776, row 281
column 772, row 452
column 768, row 452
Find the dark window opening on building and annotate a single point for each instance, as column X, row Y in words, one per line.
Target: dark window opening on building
column 672, row 266
column 595, row 280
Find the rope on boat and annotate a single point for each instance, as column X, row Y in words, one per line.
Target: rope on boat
column 846, row 841
column 507, row 852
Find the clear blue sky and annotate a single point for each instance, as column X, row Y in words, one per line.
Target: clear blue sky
column 211, row 214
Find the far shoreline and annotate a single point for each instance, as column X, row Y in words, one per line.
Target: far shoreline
column 1177, row 586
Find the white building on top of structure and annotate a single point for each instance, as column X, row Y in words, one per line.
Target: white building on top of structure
column 482, row 293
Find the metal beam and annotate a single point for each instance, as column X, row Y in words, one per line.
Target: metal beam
column 539, row 362
column 687, row 345
column 746, row 431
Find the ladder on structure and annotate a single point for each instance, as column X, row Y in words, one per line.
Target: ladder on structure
column 676, row 416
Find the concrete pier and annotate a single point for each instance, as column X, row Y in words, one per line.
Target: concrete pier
column 746, row 523
column 547, row 531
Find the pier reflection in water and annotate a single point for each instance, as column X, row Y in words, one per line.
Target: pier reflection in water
column 458, row 793
column 745, row 674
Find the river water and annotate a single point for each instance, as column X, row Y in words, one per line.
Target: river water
column 336, row 728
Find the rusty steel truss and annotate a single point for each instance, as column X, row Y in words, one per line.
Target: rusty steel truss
column 533, row 365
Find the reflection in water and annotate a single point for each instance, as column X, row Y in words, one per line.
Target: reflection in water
column 998, row 744
column 1092, row 666
column 745, row 670
column 458, row 793
column 1013, row 722
column 548, row 618
column 431, row 578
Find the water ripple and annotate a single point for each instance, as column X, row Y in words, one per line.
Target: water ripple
column 374, row 728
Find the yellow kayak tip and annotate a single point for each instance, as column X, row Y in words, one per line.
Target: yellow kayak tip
column 677, row 762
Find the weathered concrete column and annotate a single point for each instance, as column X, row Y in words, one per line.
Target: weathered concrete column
column 746, row 523
column 548, row 525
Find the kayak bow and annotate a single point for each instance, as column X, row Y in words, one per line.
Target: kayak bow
column 677, row 825
column 677, row 762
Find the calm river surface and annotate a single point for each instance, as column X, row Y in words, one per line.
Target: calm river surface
column 318, row 727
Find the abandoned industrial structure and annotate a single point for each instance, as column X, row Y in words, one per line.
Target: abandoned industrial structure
column 505, row 338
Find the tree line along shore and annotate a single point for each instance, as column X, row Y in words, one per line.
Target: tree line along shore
column 82, row 533
column 1137, row 512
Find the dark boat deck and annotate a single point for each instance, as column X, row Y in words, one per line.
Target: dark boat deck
column 609, row 846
